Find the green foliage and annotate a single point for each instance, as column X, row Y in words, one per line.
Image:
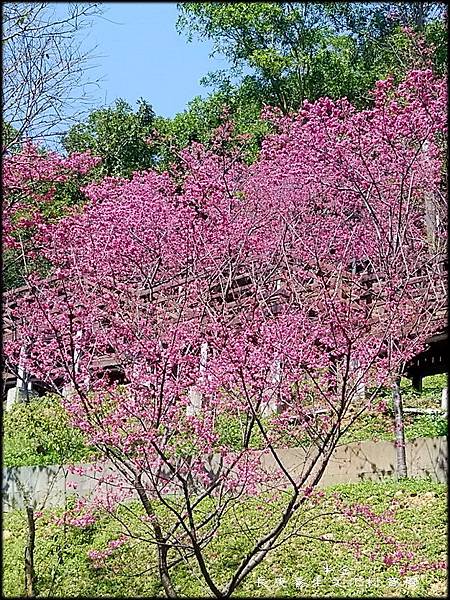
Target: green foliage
column 195, row 124
column 429, row 397
column 64, row 569
column 278, row 42
column 232, row 430
column 203, row 115
column 38, row 433
column 293, row 52
column 10, row 137
column 380, row 427
column 400, row 51
column 436, row 34
column 427, row 426
column 14, row 271
column 119, row 136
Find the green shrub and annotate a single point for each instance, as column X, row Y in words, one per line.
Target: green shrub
column 426, row 426
column 231, row 432
column 38, row 433
column 429, row 397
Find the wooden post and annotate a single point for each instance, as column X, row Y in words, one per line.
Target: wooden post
column 195, row 396
column 23, row 386
column 270, row 406
column 417, row 382
column 21, row 374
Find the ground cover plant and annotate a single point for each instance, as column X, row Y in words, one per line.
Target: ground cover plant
column 379, row 425
column 39, row 433
column 69, row 560
column 429, row 397
column 267, row 292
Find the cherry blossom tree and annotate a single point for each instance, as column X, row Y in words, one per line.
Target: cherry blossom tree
column 30, row 178
column 380, row 171
column 38, row 187
column 262, row 296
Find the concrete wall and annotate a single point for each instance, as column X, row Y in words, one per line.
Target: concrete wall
column 426, row 457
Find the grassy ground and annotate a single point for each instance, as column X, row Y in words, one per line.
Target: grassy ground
column 429, row 397
column 38, row 433
column 379, row 426
column 302, row 567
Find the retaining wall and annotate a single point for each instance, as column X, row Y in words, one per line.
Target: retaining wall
column 426, row 457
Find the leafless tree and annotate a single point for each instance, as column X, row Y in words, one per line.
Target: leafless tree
column 45, row 65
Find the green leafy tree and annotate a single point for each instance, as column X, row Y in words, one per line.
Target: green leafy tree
column 119, row 136
column 407, row 48
column 9, row 135
column 283, row 53
column 295, row 51
column 203, row 115
column 280, row 54
column 272, row 44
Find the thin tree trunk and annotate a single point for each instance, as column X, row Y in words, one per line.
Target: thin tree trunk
column 400, row 450
column 163, row 548
column 420, row 16
column 30, row 576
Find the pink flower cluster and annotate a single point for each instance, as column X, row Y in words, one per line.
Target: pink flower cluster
column 98, row 557
column 30, row 179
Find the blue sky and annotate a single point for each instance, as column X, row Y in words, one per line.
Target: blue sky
column 142, row 55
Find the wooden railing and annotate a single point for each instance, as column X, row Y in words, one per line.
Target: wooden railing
column 232, row 296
